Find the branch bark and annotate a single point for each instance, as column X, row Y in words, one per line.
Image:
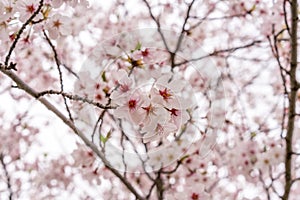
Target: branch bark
column 22, row 85
column 292, row 101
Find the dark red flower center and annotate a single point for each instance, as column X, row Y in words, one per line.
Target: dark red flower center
column 132, row 103
column 30, row 8
column 145, row 53
column 57, row 23
column 165, row 94
column 148, row 109
column 195, row 196
column 173, row 111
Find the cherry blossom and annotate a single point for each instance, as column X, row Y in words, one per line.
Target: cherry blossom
column 151, row 99
column 131, row 107
column 124, row 84
column 27, row 8
column 58, row 25
column 7, row 9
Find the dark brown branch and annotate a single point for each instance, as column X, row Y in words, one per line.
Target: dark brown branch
column 18, row 36
column 158, row 25
column 74, row 97
column 183, row 30
column 122, row 138
column 206, row 18
column 273, row 179
column 57, row 62
column 295, row 153
column 99, row 120
column 229, row 50
column 8, row 181
column 283, row 74
column 292, row 101
column 275, row 52
column 266, row 187
column 295, row 180
column 134, row 148
column 22, row 85
column 179, row 162
column 150, row 191
column 285, row 17
column 159, row 186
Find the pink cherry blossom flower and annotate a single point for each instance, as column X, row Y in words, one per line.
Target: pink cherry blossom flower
column 82, row 157
column 100, row 95
column 152, row 114
column 167, row 91
column 56, row 3
column 7, row 10
column 271, row 157
column 160, row 131
column 27, row 8
column 130, row 108
column 74, row 3
column 4, row 32
column 85, row 85
column 178, row 117
column 58, row 25
column 195, row 191
column 123, row 84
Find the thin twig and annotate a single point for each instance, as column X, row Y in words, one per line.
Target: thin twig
column 58, row 63
column 282, row 70
column 22, row 85
column 216, row 52
column 18, row 36
column 8, row 181
column 295, row 180
column 183, row 30
column 266, row 188
column 285, row 17
column 74, row 97
column 158, row 25
column 295, row 153
column 179, row 162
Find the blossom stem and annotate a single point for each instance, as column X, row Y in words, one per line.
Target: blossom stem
column 18, row 36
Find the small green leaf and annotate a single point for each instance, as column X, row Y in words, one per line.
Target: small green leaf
column 104, row 139
column 138, row 46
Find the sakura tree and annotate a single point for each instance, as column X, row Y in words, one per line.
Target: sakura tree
column 194, row 99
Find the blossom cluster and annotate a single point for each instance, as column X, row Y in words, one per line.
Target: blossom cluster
column 150, row 101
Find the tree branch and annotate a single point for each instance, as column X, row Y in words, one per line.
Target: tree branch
column 22, row 85
column 75, row 97
column 292, row 101
column 8, row 181
column 219, row 51
column 183, row 30
column 157, row 24
column 18, row 36
column 57, row 62
column 159, row 186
